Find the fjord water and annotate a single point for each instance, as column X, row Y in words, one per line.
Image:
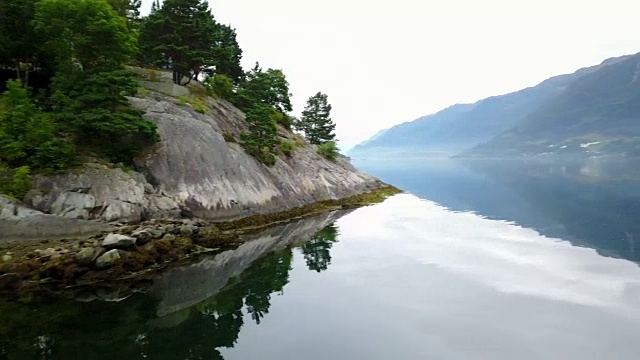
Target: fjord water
column 478, row 260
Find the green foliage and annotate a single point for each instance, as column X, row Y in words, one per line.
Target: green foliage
column 266, row 87
column 96, row 111
column 183, row 35
column 85, row 34
column 183, row 100
column 220, row 85
column 287, row 146
column 316, row 120
column 261, row 139
column 284, row 120
column 15, row 183
column 20, row 46
column 199, row 106
column 329, row 150
column 129, row 9
column 27, row 135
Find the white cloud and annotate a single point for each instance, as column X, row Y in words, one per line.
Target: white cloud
column 383, row 63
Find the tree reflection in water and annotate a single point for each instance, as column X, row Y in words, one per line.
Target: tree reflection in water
column 38, row 328
column 317, row 251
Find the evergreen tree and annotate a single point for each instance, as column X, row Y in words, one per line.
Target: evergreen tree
column 129, row 9
column 184, row 36
column 316, row 120
column 267, row 87
column 261, row 139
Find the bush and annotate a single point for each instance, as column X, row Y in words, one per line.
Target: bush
column 283, row 119
column 182, row 100
column 329, row 150
column 287, row 146
column 261, row 139
column 95, row 110
column 27, row 135
column 15, row 183
column 220, row 85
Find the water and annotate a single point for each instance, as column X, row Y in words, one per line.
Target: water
column 482, row 260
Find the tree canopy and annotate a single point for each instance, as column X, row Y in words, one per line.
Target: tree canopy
column 183, row 35
column 84, row 34
column 316, row 120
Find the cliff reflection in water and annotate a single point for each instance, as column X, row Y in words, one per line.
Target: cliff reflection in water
column 189, row 313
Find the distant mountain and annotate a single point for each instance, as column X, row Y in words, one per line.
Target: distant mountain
column 597, row 114
column 490, row 127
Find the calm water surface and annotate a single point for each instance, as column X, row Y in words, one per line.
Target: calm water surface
column 480, row 260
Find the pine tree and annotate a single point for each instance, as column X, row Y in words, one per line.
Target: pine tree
column 262, row 137
column 184, row 36
column 316, row 120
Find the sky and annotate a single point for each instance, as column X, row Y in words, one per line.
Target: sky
column 382, row 63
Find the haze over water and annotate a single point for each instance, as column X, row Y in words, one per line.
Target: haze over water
column 479, row 260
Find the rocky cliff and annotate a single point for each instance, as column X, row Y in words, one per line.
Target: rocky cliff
column 198, row 169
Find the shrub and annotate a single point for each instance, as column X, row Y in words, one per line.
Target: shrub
column 286, row 146
column 182, row 100
column 283, row 119
column 94, row 108
column 15, row 183
column 27, row 134
column 329, row 150
column 261, row 139
column 220, row 85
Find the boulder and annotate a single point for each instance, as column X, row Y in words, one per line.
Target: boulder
column 143, row 236
column 108, row 259
column 117, row 241
column 88, row 255
column 187, row 230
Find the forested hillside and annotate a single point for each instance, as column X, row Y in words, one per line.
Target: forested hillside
column 65, row 86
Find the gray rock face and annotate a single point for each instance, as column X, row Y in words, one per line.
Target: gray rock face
column 18, row 223
column 98, row 192
column 117, row 241
column 193, row 171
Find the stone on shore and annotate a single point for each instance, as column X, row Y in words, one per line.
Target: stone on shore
column 108, row 259
column 117, row 241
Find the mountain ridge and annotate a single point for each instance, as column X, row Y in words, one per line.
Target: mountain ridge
column 460, row 128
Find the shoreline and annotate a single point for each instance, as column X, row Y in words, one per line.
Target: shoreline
column 136, row 254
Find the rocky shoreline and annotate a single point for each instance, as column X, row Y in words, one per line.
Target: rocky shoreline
column 137, row 253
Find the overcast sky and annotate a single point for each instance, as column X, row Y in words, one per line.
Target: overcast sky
column 386, row 62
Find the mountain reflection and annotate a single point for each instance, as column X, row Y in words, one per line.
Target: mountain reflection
column 43, row 328
column 592, row 203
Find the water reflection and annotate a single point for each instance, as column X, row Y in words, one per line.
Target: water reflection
column 317, row 250
column 592, row 203
column 161, row 325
